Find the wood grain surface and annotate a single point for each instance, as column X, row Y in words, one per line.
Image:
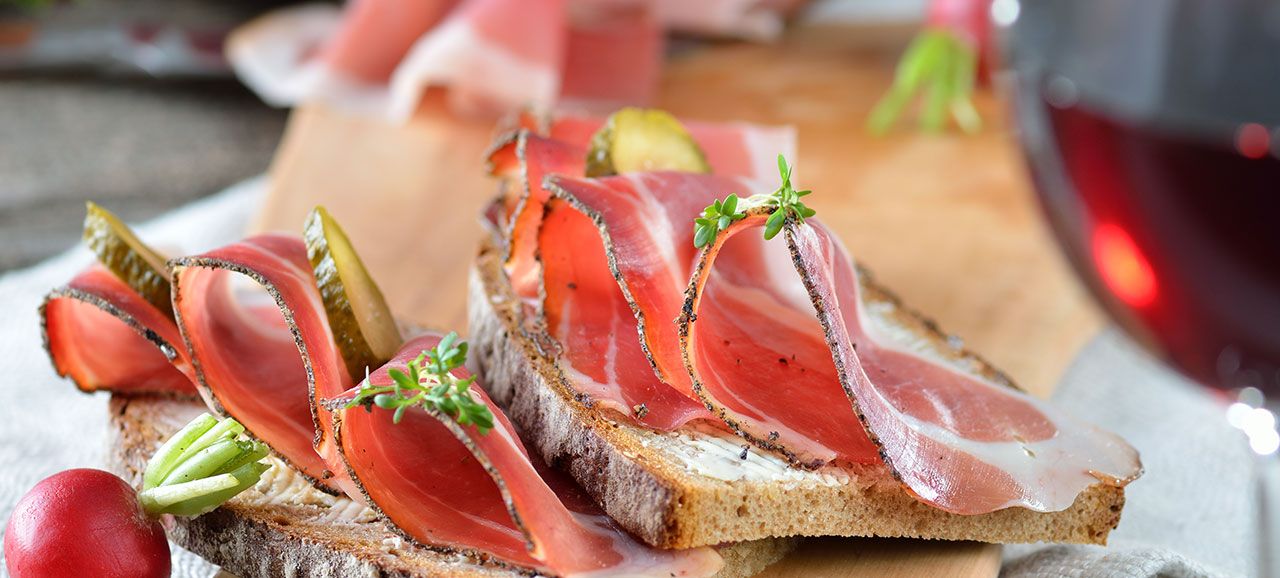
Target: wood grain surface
column 948, row 221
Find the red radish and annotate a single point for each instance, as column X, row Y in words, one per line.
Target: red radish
column 90, row 524
column 82, row 523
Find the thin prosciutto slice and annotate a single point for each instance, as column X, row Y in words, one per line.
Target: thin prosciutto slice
column 613, row 55
column 263, row 360
column 536, row 148
column 396, row 24
column 619, row 246
column 956, row 441
column 493, row 54
column 448, row 485
column 97, row 321
column 525, row 161
column 635, row 229
column 379, row 57
column 583, row 309
column 589, row 317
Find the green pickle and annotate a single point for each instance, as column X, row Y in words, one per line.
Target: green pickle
column 121, row 252
column 640, row 139
column 362, row 324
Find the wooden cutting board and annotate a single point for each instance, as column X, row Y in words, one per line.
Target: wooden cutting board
column 948, row 221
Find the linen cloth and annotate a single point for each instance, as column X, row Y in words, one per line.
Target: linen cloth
column 1193, row 514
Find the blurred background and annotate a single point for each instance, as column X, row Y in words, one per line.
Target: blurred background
column 130, row 103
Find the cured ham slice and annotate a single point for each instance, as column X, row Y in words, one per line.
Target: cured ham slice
column 526, row 158
column 261, row 359
column 495, row 55
column 447, row 485
column 584, row 310
column 589, row 317
column 958, row 442
column 396, row 24
column 96, row 321
column 380, row 56
column 613, row 55
column 639, row 227
column 534, row 158
column 276, row 55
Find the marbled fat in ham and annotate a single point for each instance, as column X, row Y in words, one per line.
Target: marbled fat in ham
column 772, row 339
column 264, row 359
column 256, row 338
column 380, row 56
column 450, row 485
column 558, row 264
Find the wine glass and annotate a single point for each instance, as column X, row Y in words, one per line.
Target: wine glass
column 1152, row 128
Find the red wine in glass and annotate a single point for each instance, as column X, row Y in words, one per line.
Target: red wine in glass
column 1152, row 128
column 1153, row 133
column 1179, row 235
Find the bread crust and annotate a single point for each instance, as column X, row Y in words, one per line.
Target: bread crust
column 668, row 504
column 300, row 532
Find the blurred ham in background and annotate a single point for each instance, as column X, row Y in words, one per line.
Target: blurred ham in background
column 380, row 56
column 136, row 103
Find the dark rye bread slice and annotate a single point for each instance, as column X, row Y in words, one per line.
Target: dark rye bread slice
column 285, row 527
column 697, row 487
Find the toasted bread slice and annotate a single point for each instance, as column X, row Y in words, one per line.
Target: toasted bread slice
column 698, row 486
column 285, row 527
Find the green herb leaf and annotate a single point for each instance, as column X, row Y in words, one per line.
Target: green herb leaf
column 428, row 382
column 715, row 218
column 787, row 202
column 774, row 225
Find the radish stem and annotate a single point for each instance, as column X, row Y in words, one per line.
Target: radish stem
column 156, row 499
column 200, row 467
column 942, row 67
column 167, row 456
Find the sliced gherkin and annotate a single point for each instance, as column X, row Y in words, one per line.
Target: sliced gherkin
column 121, row 252
column 643, row 139
column 362, row 325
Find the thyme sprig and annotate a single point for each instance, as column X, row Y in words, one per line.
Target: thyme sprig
column 715, row 218
column 428, row 382
column 787, row 201
column 722, row 213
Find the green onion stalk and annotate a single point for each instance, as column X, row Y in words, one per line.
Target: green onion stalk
column 203, row 465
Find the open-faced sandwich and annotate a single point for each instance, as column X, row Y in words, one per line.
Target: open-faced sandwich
column 402, row 467
column 665, row 319
column 698, row 371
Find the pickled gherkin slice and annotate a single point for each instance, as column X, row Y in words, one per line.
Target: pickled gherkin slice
column 643, row 139
column 121, row 252
column 362, row 325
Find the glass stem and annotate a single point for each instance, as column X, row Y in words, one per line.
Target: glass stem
column 1269, row 510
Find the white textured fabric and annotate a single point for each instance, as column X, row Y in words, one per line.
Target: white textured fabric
column 1191, row 515
column 1194, row 512
column 46, row 425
